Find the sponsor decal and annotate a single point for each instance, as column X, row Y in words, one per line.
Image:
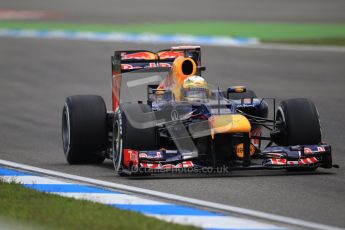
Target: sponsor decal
column 308, row 151
column 165, row 64
column 170, row 54
column 151, row 65
column 184, row 164
column 142, row 155
column 278, row 161
column 139, row 56
column 306, row 161
column 144, row 65
column 130, row 157
column 240, row 150
column 128, row 67
column 303, row 161
column 151, row 155
column 321, row 149
column 174, row 115
column 133, row 155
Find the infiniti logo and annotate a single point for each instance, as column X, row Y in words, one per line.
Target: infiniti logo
column 174, row 115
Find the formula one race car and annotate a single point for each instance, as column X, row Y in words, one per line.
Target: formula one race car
column 167, row 118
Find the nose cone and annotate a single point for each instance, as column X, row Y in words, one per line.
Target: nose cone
column 229, row 123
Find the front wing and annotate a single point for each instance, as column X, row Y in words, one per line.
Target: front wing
column 274, row 157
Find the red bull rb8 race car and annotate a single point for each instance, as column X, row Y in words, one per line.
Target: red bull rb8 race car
column 166, row 117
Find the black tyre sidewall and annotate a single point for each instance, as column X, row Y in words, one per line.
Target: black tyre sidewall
column 131, row 137
column 118, row 147
column 301, row 122
column 88, row 131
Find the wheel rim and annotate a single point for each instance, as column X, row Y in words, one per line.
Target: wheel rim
column 66, row 130
column 281, row 118
column 117, row 146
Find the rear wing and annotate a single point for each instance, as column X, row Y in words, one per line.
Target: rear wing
column 132, row 60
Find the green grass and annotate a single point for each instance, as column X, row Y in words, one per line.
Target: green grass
column 315, row 41
column 29, row 207
column 266, row 32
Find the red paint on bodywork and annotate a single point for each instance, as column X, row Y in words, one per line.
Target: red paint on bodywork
column 130, row 157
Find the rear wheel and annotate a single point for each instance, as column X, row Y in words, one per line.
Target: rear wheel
column 299, row 125
column 84, row 131
column 127, row 135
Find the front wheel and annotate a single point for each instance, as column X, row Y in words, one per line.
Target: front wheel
column 299, row 125
column 127, row 135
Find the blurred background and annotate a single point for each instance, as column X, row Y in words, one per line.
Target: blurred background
column 305, row 21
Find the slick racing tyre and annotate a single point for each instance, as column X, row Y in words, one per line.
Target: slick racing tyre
column 300, row 125
column 239, row 96
column 127, row 134
column 84, row 129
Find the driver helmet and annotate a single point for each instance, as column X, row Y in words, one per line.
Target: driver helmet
column 194, row 88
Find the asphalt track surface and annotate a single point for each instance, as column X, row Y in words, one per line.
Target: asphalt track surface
column 139, row 11
column 37, row 75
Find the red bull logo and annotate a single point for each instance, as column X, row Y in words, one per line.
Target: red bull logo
column 170, row 54
column 308, row 151
column 129, row 67
column 139, row 56
column 164, row 65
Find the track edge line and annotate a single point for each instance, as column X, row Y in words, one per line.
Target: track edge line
column 197, row 202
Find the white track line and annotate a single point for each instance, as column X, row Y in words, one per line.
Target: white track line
column 105, row 198
column 30, row 180
column 203, row 219
column 208, row 204
column 211, row 222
